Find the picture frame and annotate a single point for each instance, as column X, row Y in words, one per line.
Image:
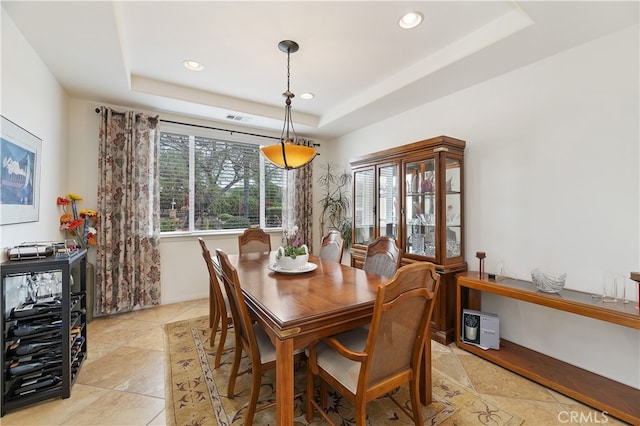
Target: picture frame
column 20, row 152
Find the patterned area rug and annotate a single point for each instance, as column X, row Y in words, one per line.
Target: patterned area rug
column 196, row 392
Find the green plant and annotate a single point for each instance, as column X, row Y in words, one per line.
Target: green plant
column 236, row 222
column 336, row 201
column 294, row 246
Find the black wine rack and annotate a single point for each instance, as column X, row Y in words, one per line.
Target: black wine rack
column 43, row 337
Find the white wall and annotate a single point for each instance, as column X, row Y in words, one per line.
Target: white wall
column 552, row 181
column 32, row 98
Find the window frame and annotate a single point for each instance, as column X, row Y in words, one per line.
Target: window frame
column 232, row 136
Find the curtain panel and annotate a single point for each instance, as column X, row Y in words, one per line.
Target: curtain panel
column 303, row 196
column 128, row 257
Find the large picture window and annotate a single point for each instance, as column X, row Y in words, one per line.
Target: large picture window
column 210, row 184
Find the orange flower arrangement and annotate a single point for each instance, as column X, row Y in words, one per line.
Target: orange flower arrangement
column 80, row 226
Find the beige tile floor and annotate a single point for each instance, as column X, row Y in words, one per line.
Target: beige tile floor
column 122, row 381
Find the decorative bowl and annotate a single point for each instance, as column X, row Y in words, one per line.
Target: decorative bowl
column 548, row 283
column 290, row 263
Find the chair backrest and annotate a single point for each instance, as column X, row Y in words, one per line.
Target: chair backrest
column 396, row 340
column 383, row 257
column 332, row 246
column 254, row 240
column 243, row 325
column 214, row 279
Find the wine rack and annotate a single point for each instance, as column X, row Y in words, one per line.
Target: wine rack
column 43, row 328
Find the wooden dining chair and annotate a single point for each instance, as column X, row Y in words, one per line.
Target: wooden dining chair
column 254, row 240
column 218, row 304
column 383, row 257
column 250, row 337
column 332, row 246
column 363, row 364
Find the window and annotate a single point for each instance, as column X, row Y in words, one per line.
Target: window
column 209, row 183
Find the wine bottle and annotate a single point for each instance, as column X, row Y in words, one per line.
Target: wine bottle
column 28, row 329
column 29, row 386
column 76, row 346
column 20, row 369
column 21, row 349
column 43, row 357
column 35, row 309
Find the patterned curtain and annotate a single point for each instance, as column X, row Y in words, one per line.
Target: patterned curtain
column 303, row 199
column 128, row 258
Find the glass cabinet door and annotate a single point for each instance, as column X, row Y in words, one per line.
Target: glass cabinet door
column 388, row 208
column 363, row 206
column 420, row 207
column 454, row 207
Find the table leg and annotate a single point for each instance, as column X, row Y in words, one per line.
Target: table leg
column 284, row 382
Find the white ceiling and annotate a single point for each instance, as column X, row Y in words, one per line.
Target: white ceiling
column 353, row 56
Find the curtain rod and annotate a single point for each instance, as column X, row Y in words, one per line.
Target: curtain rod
column 206, row 127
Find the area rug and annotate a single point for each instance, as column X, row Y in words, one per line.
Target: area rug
column 196, row 393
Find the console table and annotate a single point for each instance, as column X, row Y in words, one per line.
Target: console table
column 604, row 394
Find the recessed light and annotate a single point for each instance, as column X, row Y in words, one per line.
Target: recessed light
column 307, row 95
column 193, row 65
column 410, row 20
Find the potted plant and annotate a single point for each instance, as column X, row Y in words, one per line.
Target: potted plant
column 335, row 204
column 294, row 254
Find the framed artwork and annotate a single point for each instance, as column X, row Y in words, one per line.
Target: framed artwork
column 20, row 152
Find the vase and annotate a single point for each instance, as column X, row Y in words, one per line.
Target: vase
column 471, row 333
column 290, row 263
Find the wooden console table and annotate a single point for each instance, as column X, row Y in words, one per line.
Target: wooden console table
column 604, row 394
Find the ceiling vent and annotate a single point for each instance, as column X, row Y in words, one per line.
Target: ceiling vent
column 237, row 117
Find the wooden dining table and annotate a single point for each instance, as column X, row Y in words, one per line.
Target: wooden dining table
column 298, row 308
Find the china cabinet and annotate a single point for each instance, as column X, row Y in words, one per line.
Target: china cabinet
column 43, row 324
column 415, row 194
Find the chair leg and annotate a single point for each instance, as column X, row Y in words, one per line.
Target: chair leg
column 361, row 412
column 221, row 342
column 415, row 402
column 253, row 399
column 323, row 393
column 212, row 306
column 214, row 326
column 309, row 413
column 234, row 370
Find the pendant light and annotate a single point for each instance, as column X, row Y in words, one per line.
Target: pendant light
column 287, row 154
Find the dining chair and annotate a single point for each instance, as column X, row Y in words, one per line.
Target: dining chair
column 332, row 246
column 218, row 304
column 383, row 257
column 363, row 364
column 250, row 337
column 254, row 240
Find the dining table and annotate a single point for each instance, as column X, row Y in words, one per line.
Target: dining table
column 298, row 307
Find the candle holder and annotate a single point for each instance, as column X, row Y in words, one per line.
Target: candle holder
column 481, row 255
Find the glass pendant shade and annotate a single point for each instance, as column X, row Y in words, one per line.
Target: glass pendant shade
column 287, row 155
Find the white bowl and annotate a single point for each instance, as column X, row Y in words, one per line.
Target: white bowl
column 548, row 283
column 289, row 263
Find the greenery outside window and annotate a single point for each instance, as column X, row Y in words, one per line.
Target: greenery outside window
column 216, row 184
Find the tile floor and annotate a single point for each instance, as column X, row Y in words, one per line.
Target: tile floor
column 122, row 380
